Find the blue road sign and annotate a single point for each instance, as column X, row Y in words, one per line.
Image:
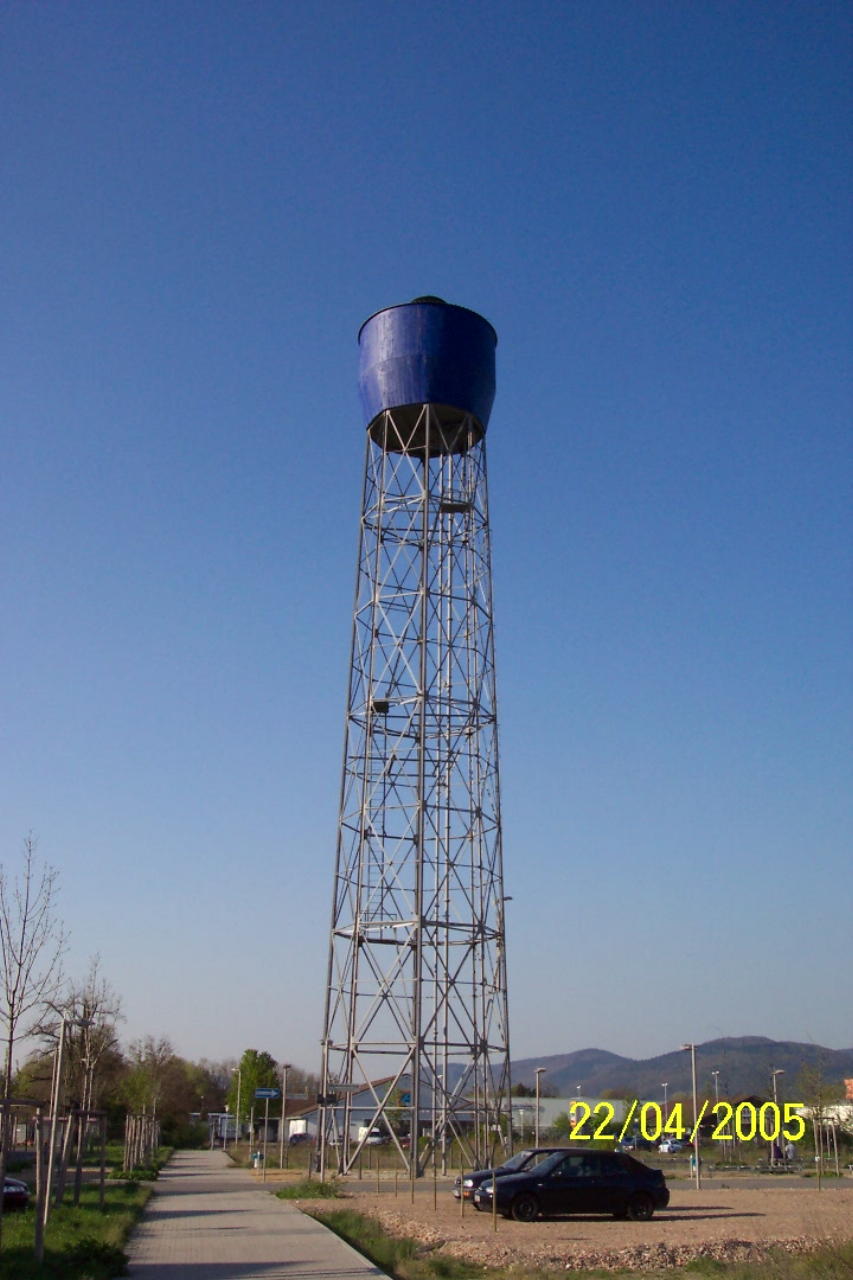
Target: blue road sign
column 268, row 1093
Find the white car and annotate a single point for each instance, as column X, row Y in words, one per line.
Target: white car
column 670, row 1145
column 377, row 1137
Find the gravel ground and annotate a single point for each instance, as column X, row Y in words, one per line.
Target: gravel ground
column 724, row 1222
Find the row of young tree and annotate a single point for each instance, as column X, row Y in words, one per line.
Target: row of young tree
column 77, row 1086
column 74, row 1024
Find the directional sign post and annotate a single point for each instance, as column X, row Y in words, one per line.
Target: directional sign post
column 266, row 1094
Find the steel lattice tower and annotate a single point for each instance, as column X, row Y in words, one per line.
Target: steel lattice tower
column 416, row 1008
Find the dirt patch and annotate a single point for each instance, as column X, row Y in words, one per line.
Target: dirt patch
column 720, row 1222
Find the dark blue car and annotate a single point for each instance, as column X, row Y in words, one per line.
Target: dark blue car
column 633, row 1143
column 16, row 1194
column 578, row 1182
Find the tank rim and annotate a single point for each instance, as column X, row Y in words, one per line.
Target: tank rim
column 428, row 301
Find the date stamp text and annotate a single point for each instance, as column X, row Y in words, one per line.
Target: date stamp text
column 727, row 1121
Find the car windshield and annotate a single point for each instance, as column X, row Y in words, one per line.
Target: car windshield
column 527, row 1159
column 539, row 1157
column 519, row 1160
column 548, row 1161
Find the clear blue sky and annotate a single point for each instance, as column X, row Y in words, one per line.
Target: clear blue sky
column 651, row 202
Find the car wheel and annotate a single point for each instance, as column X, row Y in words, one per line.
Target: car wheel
column 477, row 1206
column 525, row 1208
column 640, row 1208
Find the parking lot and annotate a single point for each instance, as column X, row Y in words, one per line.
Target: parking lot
column 723, row 1219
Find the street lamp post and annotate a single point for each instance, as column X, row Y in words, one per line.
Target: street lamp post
column 716, row 1076
column 239, row 1071
column 282, row 1144
column 539, row 1071
column 692, row 1048
column 665, row 1086
column 54, row 1107
column 774, row 1074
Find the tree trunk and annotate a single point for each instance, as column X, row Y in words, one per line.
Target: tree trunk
column 40, row 1187
column 102, row 1181
column 7, row 1093
column 4, row 1142
column 63, row 1160
column 82, row 1118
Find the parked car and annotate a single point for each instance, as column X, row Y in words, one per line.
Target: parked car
column 466, row 1184
column 375, row 1137
column 632, row 1143
column 16, row 1194
column 670, row 1145
column 578, row 1182
column 300, row 1139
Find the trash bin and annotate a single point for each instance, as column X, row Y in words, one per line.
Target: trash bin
column 257, row 1159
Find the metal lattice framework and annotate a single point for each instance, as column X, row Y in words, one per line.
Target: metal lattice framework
column 416, row 1009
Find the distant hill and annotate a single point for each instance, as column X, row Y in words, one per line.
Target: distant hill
column 744, row 1064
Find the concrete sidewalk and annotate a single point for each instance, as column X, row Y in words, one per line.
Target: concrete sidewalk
column 210, row 1221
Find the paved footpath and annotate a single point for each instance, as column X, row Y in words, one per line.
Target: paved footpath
column 208, row 1220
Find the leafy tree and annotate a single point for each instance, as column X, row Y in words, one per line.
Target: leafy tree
column 399, row 1113
column 150, row 1064
column 34, row 1077
column 561, row 1125
column 257, row 1070
column 629, row 1104
column 204, row 1090
column 218, row 1074
column 161, row 1083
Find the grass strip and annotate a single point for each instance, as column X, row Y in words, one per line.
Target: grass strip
column 309, row 1189
column 82, row 1243
column 399, row 1256
column 407, row 1259
column 831, row 1262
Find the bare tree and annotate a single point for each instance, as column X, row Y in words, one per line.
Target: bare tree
column 821, row 1096
column 32, row 943
column 92, row 1010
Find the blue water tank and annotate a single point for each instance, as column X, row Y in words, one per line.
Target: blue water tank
column 427, row 352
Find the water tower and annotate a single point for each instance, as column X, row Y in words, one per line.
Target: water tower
column 416, row 1037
